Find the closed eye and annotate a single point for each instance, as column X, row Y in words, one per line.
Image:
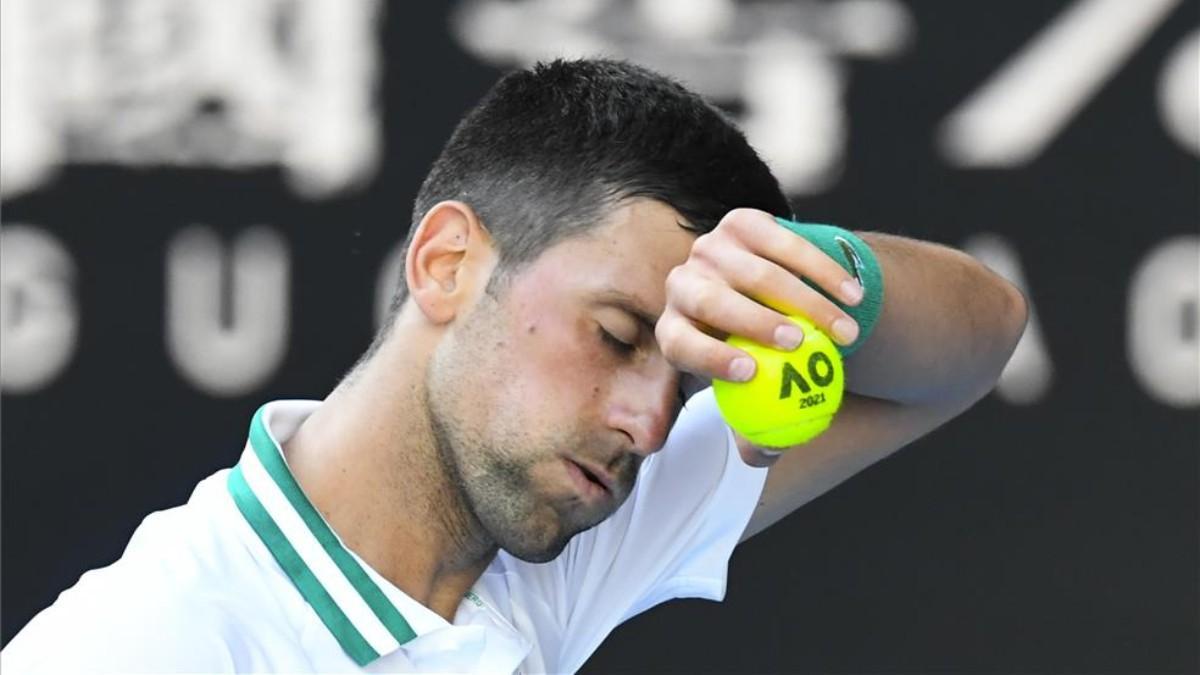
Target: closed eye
column 619, row 346
column 687, row 385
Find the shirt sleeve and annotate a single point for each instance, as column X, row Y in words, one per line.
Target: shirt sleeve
column 671, row 539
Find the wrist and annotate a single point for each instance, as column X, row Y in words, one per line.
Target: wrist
column 856, row 257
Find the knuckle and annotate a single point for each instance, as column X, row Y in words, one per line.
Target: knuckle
column 675, row 279
column 727, row 219
column 758, row 277
column 670, row 349
column 706, row 245
column 665, row 333
column 701, row 298
column 682, row 282
column 740, row 216
column 738, row 220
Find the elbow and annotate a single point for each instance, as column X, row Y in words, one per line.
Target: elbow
column 1010, row 316
column 1015, row 317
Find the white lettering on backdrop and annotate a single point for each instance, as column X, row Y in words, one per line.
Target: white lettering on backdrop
column 233, row 84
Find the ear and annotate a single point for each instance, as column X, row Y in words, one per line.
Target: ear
column 449, row 261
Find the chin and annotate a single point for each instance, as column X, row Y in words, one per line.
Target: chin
column 541, row 536
column 538, row 545
column 537, row 554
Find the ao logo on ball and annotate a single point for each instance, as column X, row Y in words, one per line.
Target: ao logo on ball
column 820, row 372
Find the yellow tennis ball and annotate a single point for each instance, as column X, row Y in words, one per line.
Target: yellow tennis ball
column 792, row 397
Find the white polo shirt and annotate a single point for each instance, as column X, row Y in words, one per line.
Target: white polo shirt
column 248, row 576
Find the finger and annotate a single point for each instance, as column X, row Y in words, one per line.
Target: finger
column 713, row 303
column 776, row 287
column 762, row 235
column 690, row 349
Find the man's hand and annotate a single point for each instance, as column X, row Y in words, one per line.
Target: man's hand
column 744, row 278
column 947, row 327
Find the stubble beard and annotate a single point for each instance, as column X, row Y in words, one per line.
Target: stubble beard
column 488, row 469
column 493, row 488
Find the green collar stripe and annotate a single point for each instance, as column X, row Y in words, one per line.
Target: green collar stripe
column 269, row 456
column 352, row 642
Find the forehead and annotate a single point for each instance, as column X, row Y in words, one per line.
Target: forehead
column 630, row 253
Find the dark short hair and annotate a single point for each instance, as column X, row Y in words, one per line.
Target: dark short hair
column 549, row 150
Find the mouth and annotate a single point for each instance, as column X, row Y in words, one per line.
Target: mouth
column 590, row 481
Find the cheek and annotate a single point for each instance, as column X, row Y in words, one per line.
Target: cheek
column 557, row 369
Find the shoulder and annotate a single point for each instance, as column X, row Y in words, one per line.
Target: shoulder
column 177, row 599
column 113, row 621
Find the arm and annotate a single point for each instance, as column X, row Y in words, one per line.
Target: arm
column 948, row 327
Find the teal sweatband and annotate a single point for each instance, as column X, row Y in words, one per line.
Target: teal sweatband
column 858, row 259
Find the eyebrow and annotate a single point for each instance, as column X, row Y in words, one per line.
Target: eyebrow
column 632, row 305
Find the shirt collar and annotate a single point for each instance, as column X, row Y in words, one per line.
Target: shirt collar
column 364, row 620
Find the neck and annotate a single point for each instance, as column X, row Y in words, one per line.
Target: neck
column 367, row 460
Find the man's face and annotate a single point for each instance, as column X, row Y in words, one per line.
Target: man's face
column 545, row 399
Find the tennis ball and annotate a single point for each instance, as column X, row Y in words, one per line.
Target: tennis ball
column 792, row 397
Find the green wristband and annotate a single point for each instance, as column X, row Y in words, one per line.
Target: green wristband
column 856, row 257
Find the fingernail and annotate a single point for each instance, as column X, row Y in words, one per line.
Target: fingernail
column 741, row 369
column 789, row 336
column 852, row 291
column 845, row 330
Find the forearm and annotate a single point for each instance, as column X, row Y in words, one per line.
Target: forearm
column 948, row 325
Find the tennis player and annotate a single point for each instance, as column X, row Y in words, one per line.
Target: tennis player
column 511, row 470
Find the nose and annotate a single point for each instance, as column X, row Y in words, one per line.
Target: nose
column 643, row 406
